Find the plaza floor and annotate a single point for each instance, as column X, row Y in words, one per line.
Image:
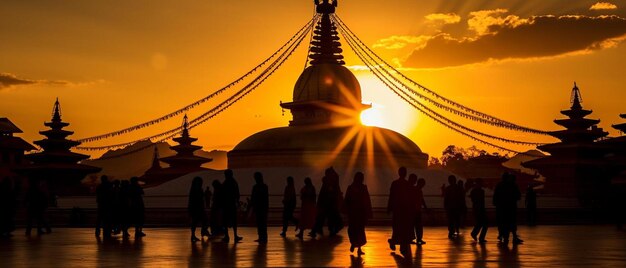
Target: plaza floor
column 546, row 246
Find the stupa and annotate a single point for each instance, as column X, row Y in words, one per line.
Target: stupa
column 576, row 165
column 56, row 164
column 326, row 130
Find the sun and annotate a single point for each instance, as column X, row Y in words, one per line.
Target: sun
column 372, row 117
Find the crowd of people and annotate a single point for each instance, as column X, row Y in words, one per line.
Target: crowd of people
column 120, row 206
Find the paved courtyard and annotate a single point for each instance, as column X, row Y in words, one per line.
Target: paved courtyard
column 546, row 246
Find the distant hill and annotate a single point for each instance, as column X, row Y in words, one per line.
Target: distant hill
column 136, row 163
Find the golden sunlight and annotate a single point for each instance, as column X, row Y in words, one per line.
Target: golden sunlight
column 372, row 117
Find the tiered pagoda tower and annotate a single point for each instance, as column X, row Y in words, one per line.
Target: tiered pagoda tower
column 184, row 160
column 12, row 149
column 576, row 165
column 182, row 163
column 57, row 164
column 325, row 129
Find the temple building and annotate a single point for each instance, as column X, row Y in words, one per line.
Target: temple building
column 325, row 130
column 182, row 163
column 56, row 164
column 12, row 149
column 616, row 156
column 576, row 165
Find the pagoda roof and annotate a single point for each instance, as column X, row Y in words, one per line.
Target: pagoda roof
column 11, row 142
column 576, row 113
column 570, row 123
column 564, row 162
column 183, row 159
column 586, row 134
column 56, row 132
column 184, row 139
column 186, row 148
column 58, row 142
column 57, row 156
column 6, row 126
column 561, row 146
column 59, row 168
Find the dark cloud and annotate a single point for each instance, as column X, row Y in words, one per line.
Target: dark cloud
column 512, row 37
column 8, row 80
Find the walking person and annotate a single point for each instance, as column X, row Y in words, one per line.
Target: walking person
column 531, row 205
column 452, row 205
column 195, row 207
column 402, row 207
column 230, row 205
column 289, row 205
column 420, row 203
column 307, row 210
column 358, row 207
column 104, row 202
column 137, row 207
column 216, row 212
column 481, row 223
column 505, row 198
column 259, row 203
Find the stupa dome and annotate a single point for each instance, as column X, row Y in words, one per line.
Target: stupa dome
column 327, row 82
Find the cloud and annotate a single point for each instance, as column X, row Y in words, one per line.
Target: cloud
column 500, row 37
column 603, row 6
column 486, row 21
column 401, row 41
column 443, row 18
column 8, row 80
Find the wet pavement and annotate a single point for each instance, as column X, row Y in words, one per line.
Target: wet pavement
column 546, row 246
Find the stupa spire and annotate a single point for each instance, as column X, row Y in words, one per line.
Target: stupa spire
column 325, row 46
column 56, row 111
column 576, row 98
column 185, row 126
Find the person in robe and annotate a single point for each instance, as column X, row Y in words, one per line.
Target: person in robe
column 104, row 199
column 358, row 207
column 481, row 223
column 402, row 207
column 505, row 198
column 195, row 207
column 216, row 209
column 289, row 205
column 230, row 205
column 137, row 207
column 259, row 203
column 452, row 205
column 420, row 203
column 307, row 210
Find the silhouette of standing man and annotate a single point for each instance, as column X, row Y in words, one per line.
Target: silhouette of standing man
column 307, row 210
column 420, row 203
column 259, row 200
column 477, row 196
column 452, row 204
column 195, row 207
column 358, row 206
column 531, row 206
column 137, row 207
column 289, row 205
column 505, row 197
column 230, row 193
column 402, row 207
column 104, row 199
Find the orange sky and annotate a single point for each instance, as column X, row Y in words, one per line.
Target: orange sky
column 117, row 63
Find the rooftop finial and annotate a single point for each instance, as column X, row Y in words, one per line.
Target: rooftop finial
column 576, row 98
column 56, row 111
column 325, row 46
column 185, row 126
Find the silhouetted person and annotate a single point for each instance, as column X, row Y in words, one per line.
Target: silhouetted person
column 217, row 209
column 418, row 196
column 324, row 202
column 481, row 223
column 37, row 203
column 462, row 204
column 7, row 207
column 195, row 207
column 116, row 197
column 259, row 203
column 230, row 195
column 531, row 205
column 289, row 205
column 453, row 206
column 358, row 207
column 505, row 197
column 125, row 218
column 402, row 207
column 104, row 199
column 307, row 210
column 137, row 207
